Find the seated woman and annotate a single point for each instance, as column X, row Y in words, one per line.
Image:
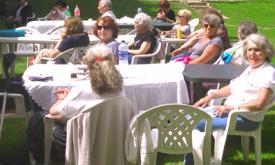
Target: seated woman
column 145, row 40
column 59, row 12
column 107, row 30
column 246, row 91
column 222, row 30
column 235, row 55
column 183, row 18
column 20, row 15
column 165, row 13
column 105, row 82
column 72, row 36
column 207, row 49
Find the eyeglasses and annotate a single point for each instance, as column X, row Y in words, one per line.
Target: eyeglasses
column 180, row 16
column 208, row 25
column 104, row 27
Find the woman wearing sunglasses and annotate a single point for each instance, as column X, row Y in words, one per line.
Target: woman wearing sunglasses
column 203, row 48
column 183, row 18
column 107, row 30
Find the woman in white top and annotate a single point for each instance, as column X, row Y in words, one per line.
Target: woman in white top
column 254, row 89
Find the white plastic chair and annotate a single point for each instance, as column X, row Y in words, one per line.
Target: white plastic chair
column 193, row 24
column 155, row 52
column 220, row 136
column 20, row 110
column 171, row 130
column 73, row 55
column 96, row 135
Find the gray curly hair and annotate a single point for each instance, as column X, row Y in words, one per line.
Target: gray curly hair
column 143, row 19
column 262, row 42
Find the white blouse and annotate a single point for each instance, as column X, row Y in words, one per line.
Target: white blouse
column 246, row 88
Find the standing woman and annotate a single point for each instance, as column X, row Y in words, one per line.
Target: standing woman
column 106, row 30
column 72, row 36
column 145, row 40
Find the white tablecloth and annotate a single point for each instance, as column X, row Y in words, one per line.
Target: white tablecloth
column 44, row 26
column 145, row 85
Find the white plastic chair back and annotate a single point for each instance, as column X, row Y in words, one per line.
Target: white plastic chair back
column 73, row 55
column 20, row 110
column 155, row 52
column 193, row 24
column 175, row 125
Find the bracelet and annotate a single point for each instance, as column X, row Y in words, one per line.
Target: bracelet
column 236, row 107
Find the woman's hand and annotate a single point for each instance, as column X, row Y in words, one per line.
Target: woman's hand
column 221, row 109
column 177, row 51
column 202, row 102
column 61, row 93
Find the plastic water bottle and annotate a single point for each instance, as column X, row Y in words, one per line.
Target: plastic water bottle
column 139, row 10
column 76, row 11
column 123, row 53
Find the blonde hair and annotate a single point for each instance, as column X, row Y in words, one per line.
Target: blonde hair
column 105, row 78
column 186, row 13
column 73, row 25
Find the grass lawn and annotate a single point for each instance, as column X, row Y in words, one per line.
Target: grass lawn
column 260, row 11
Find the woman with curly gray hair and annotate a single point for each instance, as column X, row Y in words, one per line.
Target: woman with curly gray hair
column 145, row 40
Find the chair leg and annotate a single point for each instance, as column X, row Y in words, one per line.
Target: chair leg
column 258, row 148
column 220, row 139
column 245, row 147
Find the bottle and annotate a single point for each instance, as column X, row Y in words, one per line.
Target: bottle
column 76, row 11
column 123, row 53
column 139, row 10
column 228, row 55
column 67, row 12
column 178, row 33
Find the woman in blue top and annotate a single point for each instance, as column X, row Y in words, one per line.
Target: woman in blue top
column 72, row 36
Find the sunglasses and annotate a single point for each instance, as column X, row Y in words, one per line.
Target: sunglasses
column 104, row 27
column 180, row 16
column 208, row 26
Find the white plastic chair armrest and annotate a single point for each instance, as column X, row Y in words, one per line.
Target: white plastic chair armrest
column 232, row 118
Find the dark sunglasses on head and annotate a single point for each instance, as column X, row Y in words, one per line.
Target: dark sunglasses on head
column 104, row 27
column 208, row 25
